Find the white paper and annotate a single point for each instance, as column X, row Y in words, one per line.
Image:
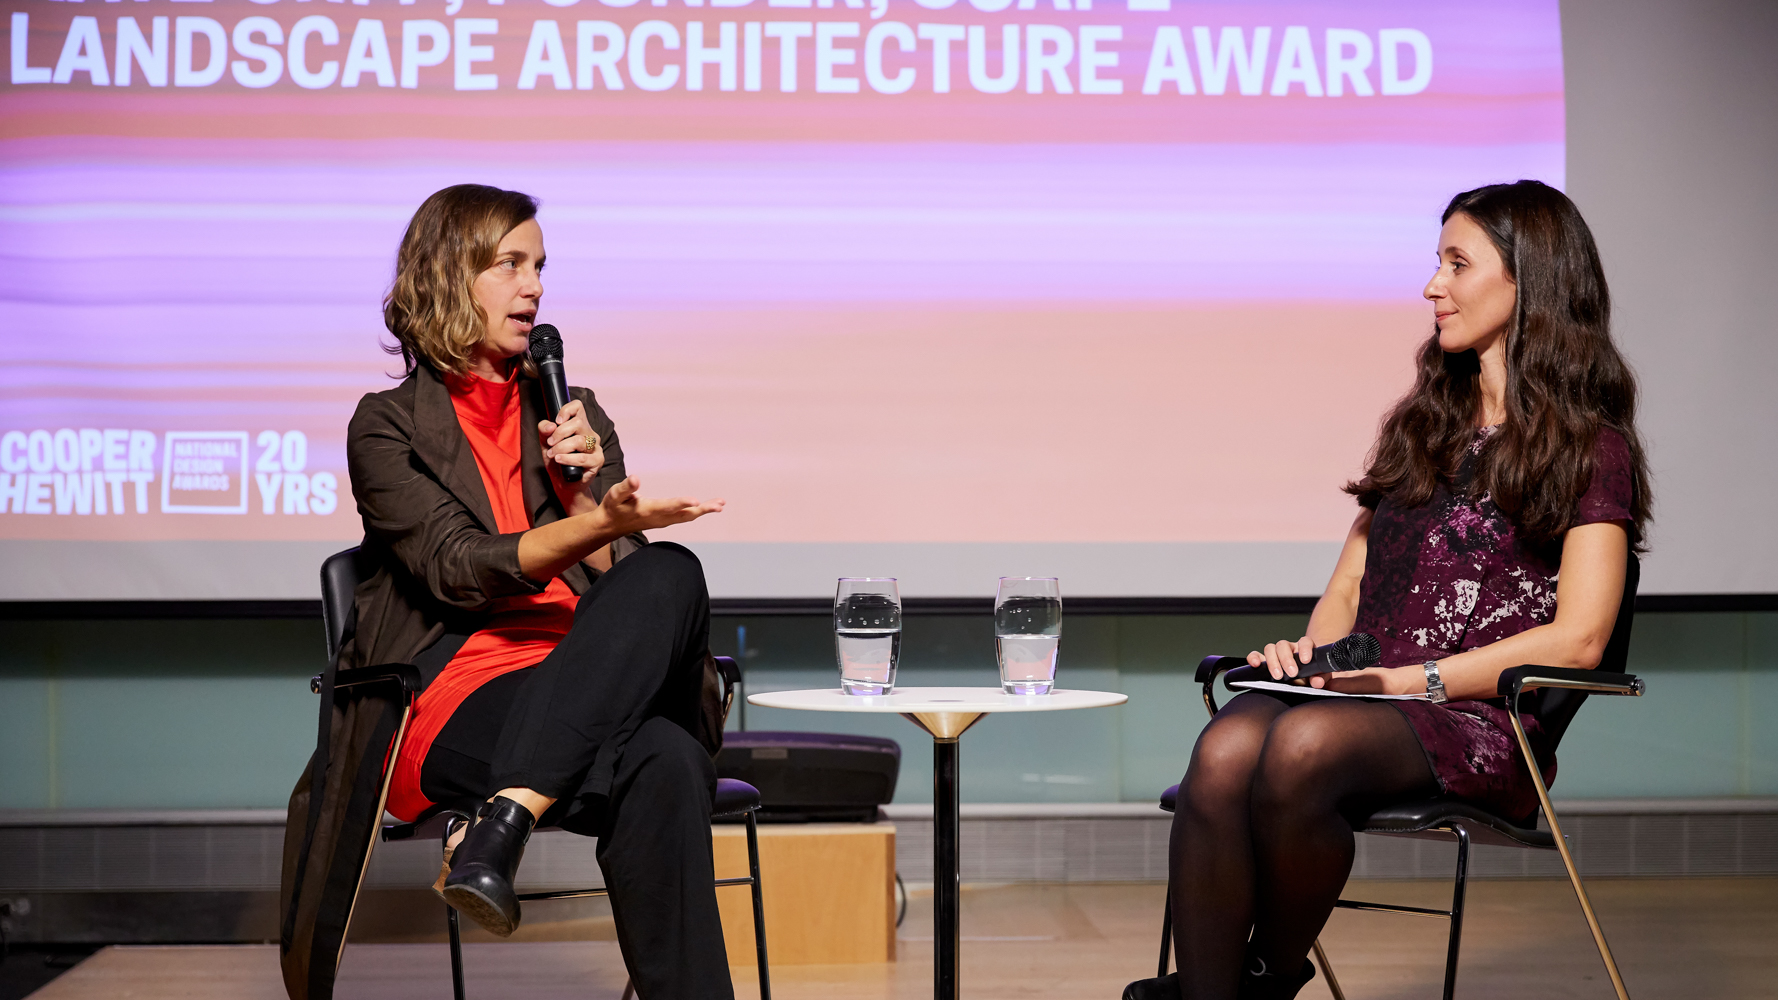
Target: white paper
column 1320, row 692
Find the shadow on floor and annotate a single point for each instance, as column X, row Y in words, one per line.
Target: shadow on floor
column 26, row 970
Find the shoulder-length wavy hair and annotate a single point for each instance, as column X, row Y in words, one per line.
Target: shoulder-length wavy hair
column 1565, row 380
column 451, row 239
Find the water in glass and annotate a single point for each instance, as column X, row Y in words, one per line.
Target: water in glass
column 1027, row 633
column 867, row 635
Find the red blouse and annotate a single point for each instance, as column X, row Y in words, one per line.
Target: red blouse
column 522, row 630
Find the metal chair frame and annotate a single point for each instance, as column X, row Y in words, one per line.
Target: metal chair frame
column 337, row 615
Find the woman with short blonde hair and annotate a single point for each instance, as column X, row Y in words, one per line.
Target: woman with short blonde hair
column 562, row 654
column 454, row 236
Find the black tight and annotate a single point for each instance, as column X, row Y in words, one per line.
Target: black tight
column 1261, row 840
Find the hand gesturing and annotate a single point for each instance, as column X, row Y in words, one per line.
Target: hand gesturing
column 630, row 512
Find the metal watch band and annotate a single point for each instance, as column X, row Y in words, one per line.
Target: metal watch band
column 1434, row 686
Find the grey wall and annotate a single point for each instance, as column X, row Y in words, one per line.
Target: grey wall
column 1672, row 150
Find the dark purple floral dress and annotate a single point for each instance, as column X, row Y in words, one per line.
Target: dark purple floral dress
column 1450, row 576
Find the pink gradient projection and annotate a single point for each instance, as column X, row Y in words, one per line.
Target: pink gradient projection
column 858, row 317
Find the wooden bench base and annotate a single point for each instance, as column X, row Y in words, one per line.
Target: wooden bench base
column 829, row 892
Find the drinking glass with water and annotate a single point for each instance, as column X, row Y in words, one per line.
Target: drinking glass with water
column 1027, row 632
column 867, row 633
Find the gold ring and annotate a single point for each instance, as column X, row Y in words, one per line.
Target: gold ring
column 588, row 445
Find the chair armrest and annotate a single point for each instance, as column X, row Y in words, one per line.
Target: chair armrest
column 405, row 674
column 730, row 671
column 1530, row 677
column 1208, row 669
column 1210, row 666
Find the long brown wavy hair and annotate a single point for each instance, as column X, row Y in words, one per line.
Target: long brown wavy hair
column 1565, row 381
column 451, row 239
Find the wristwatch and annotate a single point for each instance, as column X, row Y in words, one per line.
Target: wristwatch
column 1434, row 686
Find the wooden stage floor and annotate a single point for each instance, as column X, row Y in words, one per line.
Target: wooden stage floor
column 1691, row 939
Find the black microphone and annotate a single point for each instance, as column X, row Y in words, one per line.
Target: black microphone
column 1354, row 652
column 546, row 354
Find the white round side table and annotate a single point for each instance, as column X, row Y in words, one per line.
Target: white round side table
column 944, row 713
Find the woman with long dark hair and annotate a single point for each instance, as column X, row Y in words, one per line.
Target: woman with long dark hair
column 1503, row 498
column 563, row 655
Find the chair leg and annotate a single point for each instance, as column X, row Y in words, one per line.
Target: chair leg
column 759, row 908
column 1457, row 892
column 1580, row 891
column 1166, row 931
column 1327, row 972
column 1586, row 905
column 456, row 954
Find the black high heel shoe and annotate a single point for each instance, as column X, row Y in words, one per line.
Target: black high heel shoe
column 1260, row 983
column 483, row 866
column 1164, row 988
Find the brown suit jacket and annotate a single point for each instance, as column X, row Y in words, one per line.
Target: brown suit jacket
column 439, row 561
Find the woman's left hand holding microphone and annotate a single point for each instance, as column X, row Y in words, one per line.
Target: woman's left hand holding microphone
column 570, row 440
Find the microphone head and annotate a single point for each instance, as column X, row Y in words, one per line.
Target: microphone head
column 546, row 343
column 1364, row 650
column 1353, row 652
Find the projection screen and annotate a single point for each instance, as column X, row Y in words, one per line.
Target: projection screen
column 1114, row 290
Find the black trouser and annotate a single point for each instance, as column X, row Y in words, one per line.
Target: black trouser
column 599, row 725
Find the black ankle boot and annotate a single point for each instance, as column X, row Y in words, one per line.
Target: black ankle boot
column 1164, row 988
column 483, row 865
column 1261, row 983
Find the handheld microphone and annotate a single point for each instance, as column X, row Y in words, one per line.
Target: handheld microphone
column 546, row 354
column 1354, row 652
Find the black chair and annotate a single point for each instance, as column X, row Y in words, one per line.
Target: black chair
column 340, row 576
column 1558, row 694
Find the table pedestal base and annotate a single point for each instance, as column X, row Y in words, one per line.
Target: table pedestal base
column 947, row 885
